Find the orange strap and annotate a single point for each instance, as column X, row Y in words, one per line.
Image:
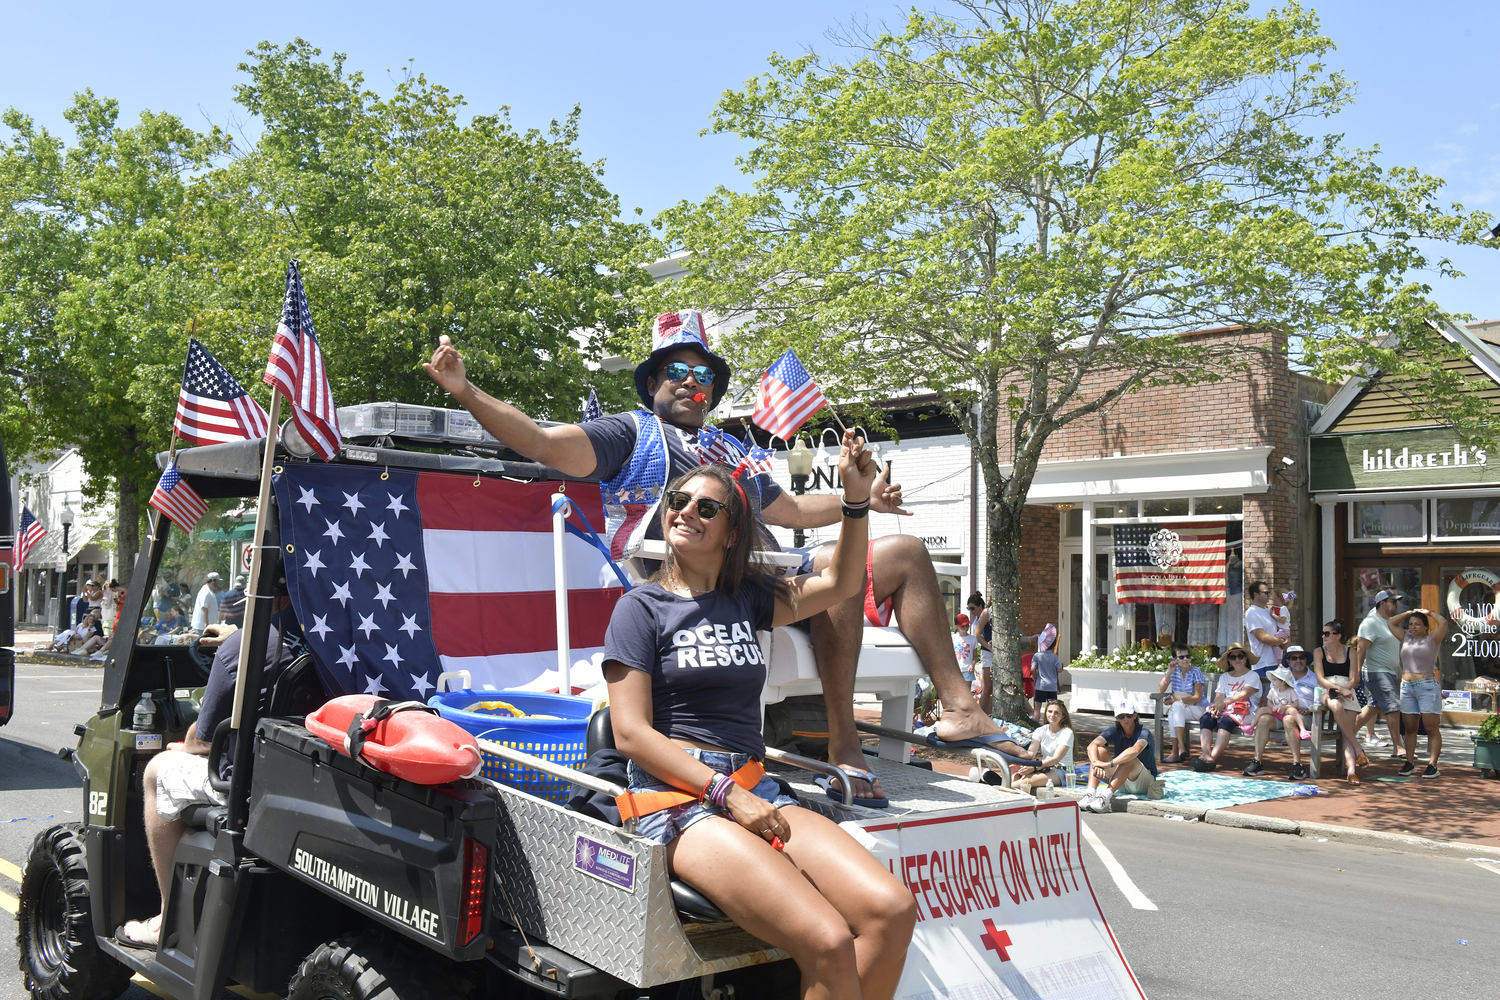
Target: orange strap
column 634, row 806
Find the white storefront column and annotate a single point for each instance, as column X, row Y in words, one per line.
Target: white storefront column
column 1330, row 571
column 1090, row 585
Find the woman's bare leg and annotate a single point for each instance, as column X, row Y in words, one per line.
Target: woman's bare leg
column 826, row 901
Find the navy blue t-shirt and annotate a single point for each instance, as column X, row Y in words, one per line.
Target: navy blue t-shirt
column 613, row 438
column 1119, row 743
column 705, row 662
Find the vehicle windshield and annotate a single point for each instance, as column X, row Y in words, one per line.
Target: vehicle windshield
column 200, row 580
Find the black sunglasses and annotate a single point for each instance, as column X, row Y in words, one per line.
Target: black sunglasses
column 1238, row 656
column 1328, row 632
column 708, row 507
column 677, row 371
column 1183, row 656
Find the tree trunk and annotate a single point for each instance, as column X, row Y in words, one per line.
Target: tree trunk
column 1003, row 571
column 127, row 527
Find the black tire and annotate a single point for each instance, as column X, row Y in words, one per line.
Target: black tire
column 60, row 960
column 369, row 965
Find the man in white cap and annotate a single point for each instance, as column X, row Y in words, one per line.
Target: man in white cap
column 206, row 606
column 1377, row 656
column 634, row 455
column 1121, row 759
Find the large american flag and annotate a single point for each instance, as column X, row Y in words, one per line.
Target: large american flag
column 295, row 367
column 787, row 397
column 1181, row 563
column 177, row 500
column 399, row 576
column 27, row 535
column 211, row 406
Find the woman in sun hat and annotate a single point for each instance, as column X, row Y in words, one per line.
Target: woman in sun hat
column 1237, row 698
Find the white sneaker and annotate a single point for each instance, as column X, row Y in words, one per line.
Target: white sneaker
column 1088, row 801
column 1376, row 741
column 1104, row 802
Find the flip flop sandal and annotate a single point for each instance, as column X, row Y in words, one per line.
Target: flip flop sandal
column 826, row 783
column 134, row 934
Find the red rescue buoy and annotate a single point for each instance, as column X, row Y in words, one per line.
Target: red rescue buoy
column 414, row 744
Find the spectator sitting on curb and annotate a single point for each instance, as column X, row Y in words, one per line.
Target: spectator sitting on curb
column 1184, row 687
column 1122, row 758
column 1052, row 743
column 1236, row 701
column 1283, row 708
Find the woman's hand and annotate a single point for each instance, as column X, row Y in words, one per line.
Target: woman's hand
column 757, row 815
column 885, row 496
column 857, row 468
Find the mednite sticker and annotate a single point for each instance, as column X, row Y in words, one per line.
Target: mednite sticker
column 148, row 741
column 606, row 864
column 398, row 908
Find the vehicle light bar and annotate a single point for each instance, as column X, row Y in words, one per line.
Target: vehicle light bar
column 419, row 423
column 476, row 875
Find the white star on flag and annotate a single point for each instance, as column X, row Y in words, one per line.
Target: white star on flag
column 396, row 506
column 320, row 626
column 383, row 595
column 404, row 564
column 341, row 594
column 333, row 531
column 422, row 684
column 312, row 564
column 410, row 626
column 374, row 687
column 351, row 500
column 348, row 657
column 367, row 625
column 391, row 656
column 307, row 499
column 359, row 565
column 378, row 535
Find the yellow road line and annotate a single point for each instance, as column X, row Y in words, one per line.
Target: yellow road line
column 9, row 903
column 10, row 871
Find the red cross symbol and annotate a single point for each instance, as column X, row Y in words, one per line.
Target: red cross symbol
column 995, row 940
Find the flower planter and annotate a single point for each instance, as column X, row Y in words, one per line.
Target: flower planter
column 1100, row 690
column 1487, row 756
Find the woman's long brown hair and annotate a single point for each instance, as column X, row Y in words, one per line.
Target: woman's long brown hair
column 738, row 566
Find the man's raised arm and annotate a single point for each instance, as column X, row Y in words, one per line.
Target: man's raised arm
column 565, row 448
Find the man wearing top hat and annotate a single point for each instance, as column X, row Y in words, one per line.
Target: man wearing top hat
column 634, row 455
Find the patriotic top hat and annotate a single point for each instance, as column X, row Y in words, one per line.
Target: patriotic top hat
column 674, row 330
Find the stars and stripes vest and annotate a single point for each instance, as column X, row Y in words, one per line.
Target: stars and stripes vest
column 631, row 498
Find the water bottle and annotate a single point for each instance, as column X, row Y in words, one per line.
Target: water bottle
column 145, row 714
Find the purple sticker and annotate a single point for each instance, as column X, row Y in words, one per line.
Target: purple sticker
column 605, row 863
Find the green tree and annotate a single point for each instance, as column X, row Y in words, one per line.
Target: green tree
column 1019, row 204
column 95, row 290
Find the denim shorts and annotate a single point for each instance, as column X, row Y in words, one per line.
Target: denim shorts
column 1424, row 697
column 666, row 825
column 1384, row 688
column 1207, row 723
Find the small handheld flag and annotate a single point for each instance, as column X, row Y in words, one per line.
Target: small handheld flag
column 177, row 500
column 27, row 535
column 592, row 410
column 713, row 446
column 758, row 459
column 295, row 368
column 787, row 397
column 211, row 406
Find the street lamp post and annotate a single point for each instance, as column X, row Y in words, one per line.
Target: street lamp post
column 799, row 462
column 65, row 517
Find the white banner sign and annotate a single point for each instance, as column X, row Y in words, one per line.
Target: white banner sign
column 1005, row 908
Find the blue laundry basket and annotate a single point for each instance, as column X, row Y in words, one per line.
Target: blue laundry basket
column 562, row 740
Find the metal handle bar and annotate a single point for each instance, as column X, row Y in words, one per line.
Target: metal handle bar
column 808, row 764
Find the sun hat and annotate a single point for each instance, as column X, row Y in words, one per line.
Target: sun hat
column 674, row 330
column 1234, row 647
column 1283, row 674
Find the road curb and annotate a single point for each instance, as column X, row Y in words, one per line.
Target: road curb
column 1251, row 821
column 1398, row 841
column 57, row 660
column 1150, row 807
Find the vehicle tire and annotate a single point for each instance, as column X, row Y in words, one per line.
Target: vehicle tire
column 370, row 965
column 60, row 960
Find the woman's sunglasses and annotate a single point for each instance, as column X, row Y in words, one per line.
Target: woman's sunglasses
column 679, row 370
column 1327, row 632
column 1238, row 656
column 708, row 507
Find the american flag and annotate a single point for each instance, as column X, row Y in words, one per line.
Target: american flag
column 713, row 446
column 758, row 459
column 1179, row 563
column 787, row 397
column 211, row 406
column 177, row 500
column 296, row 368
column 397, row 579
column 592, row 410
column 27, row 535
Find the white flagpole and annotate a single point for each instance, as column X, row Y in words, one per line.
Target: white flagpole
column 560, row 511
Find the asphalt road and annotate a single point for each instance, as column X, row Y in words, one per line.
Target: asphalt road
column 1239, row 913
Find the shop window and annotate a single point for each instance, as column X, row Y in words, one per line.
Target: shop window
column 1466, row 517
column 1367, row 581
column 1102, row 510
column 1218, row 505
column 1472, row 647
column 1177, row 507
column 1073, row 524
column 1389, row 520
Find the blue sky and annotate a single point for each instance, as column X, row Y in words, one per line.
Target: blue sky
column 647, row 76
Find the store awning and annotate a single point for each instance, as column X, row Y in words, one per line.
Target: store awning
column 239, row 533
column 1216, row 472
column 44, row 554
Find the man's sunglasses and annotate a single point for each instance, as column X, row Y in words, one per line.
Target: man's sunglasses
column 1183, row 656
column 677, row 371
column 708, row 507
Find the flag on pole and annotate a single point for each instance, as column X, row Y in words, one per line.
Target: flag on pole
column 787, row 397
column 398, row 577
column 592, row 410
column 1169, row 563
column 177, row 500
column 758, row 459
column 211, row 406
column 27, row 535
column 295, row 367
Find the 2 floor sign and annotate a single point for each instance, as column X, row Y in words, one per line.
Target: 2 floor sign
column 1004, row 905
